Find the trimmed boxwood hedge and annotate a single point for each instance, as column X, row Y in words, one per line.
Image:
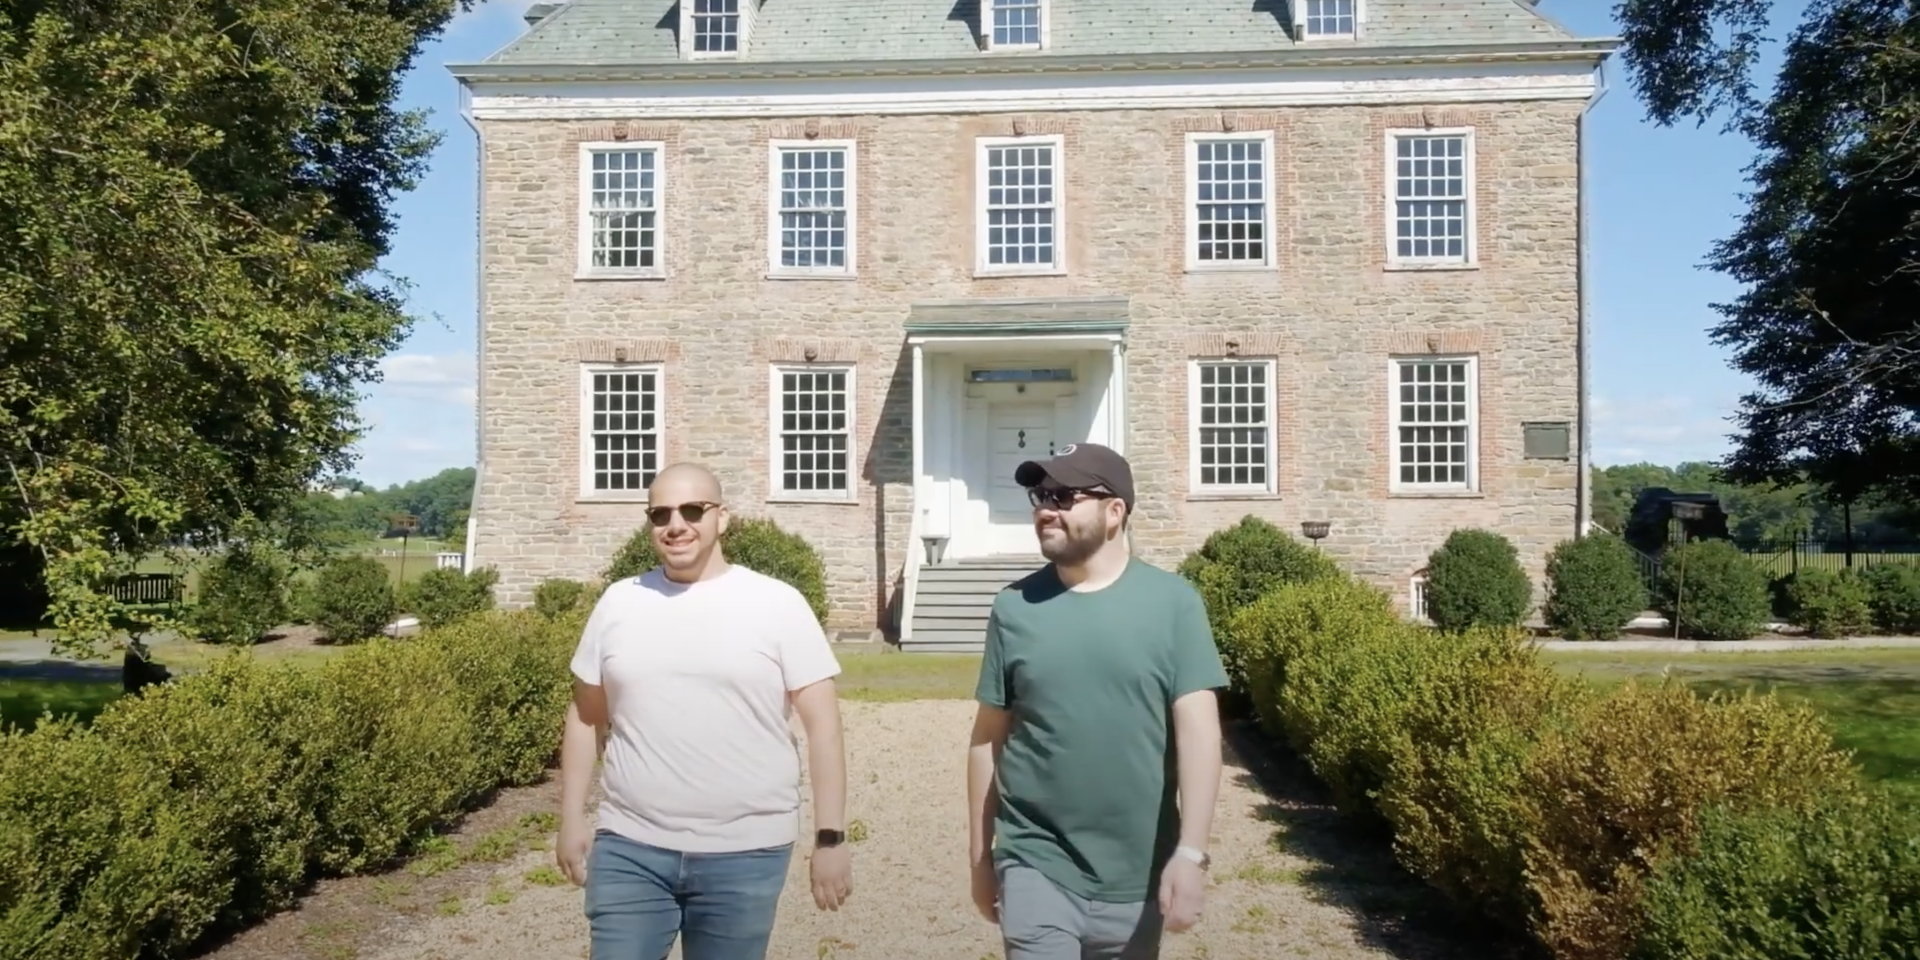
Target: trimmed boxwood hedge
column 1601, row 824
column 201, row 805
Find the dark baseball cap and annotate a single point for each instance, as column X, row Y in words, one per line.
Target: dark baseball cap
column 1082, row 466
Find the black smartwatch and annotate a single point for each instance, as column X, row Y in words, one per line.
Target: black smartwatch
column 827, row 839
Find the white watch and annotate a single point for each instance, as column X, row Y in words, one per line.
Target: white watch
column 1197, row 856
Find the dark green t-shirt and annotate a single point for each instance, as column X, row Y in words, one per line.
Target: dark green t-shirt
column 1088, row 781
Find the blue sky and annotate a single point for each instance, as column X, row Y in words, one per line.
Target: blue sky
column 1660, row 199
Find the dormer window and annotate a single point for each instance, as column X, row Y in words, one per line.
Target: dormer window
column 1328, row 19
column 715, row 29
column 1016, row 24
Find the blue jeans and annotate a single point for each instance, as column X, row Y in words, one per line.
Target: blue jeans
column 722, row 904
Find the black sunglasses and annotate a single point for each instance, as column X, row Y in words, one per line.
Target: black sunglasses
column 690, row 512
column 1064, row 498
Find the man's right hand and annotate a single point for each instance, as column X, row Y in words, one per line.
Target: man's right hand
column 570, row 852
column 986, row 889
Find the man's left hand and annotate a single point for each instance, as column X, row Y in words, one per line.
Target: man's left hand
column 1183, row 891
column 832, row 876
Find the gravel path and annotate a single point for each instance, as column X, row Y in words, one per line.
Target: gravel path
column 1275, row 894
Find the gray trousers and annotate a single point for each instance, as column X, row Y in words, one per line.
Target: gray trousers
column 1040, row 921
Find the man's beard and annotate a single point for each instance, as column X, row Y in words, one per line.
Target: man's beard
column 1075, row 548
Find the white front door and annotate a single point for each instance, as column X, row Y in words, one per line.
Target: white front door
column 1016, row 432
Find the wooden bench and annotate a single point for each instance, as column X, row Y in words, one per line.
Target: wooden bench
column 149, row 588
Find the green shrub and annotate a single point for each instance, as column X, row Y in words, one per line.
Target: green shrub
column 1725, row 592
column 1894, row 597
column 1287, row 627
column 1455, row 785
column 1334, row 669
column 1475, row 580
column 353, row 599
column 1238, row 565
column 242, row 595
column 1840, row 881
column 1831, row 603
column 759, row 545
column 445, row 595
column 209, row 802
column 1620, row 789
column 557, row 597
column 1594, row 587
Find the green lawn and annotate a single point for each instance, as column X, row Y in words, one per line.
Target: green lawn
column 1872, row 697
column 893, row 677
column 23, row 701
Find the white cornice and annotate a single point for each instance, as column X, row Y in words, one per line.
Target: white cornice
column 1452, row 83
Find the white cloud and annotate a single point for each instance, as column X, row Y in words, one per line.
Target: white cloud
column 419, row 419
column 1666, row 428
column 427, row 368
column 436, row 377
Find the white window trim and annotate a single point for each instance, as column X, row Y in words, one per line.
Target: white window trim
column 1194, row 263
column 1300, row 24
column 778, row 271
column 583, row 212
column 775, row 454
column 986, row 29
column 981, row 267
column 1194, row 486
column 1390, row 198
column 1473, row 426
column 740, row 33
column 583, row 425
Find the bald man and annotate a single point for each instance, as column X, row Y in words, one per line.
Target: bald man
column 689, row 673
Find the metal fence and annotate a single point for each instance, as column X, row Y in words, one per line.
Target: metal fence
column 1781, row 558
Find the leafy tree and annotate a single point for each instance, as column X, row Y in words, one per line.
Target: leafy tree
column 1827, row 250
column 193, row 198
column 436, row 500
column 352, row 511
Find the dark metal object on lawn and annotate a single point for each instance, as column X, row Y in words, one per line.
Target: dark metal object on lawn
column 406, row 523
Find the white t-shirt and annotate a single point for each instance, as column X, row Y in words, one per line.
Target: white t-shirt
column 700, row 757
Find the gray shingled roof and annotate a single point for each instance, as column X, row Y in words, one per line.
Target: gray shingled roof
column 606, row 32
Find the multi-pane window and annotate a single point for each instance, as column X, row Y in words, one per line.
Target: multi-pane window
column 1230, row 201
column 813, row 200
column 1433, row 419
column 1430, row 183
column 716, row 26
column 813, row 431
column 1329, row 18
column 622, row 426
column 1021, row 204
column 622, row 216
column 1016, row 23
column 1232, row 415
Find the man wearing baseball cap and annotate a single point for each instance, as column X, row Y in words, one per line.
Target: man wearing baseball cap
column 1095, row 759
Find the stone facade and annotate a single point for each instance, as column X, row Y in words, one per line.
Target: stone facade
column 1331, row 315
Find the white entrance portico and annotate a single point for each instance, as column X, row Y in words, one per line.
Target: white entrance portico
column 996, row 383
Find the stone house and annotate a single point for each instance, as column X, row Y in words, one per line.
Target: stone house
column 1311, row 260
